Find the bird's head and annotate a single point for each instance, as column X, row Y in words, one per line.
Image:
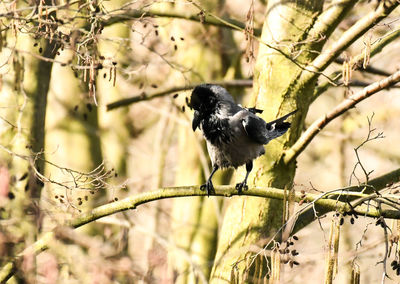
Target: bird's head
column 205, row 99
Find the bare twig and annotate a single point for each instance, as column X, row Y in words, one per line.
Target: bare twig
column 307, row 216
column 344, row 106
column 366, row 140
column 94, row 180
column 385, row 232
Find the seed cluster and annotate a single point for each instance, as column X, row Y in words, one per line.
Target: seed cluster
column 396, row 266
column 288, row 253
column 352, row 215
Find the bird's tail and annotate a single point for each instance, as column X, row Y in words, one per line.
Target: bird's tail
column 279, row 127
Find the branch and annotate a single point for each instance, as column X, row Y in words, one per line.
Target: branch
column 131, row 14
column 246, row 83
column 352, row 34
column 203, row 17
column 200, row 18
column 145, row 97
column 374, row 185
column 357, row 62
column 350, row 102
column 359, row 84
column 324, row 202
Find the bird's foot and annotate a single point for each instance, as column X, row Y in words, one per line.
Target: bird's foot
column 241, row 186
column 209, row 187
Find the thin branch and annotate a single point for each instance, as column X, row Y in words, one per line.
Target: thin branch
column 145, row 97
column 350, row 102
column 200, row 18
column 358, row 83
column 366, row 140
column 255, row 34
column 385, row 257
column 244, row 83
column 378, row 45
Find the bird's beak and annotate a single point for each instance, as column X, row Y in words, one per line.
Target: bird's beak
column 196, row 120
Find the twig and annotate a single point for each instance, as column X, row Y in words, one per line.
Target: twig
column 204, row 19
column 366, row 140
column 94, row 180
column 350, row 102
column 385, row 232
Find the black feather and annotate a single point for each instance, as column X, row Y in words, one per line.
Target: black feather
column 254, row 110
column 217, row 131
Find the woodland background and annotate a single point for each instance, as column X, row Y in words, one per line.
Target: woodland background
column 93, row 110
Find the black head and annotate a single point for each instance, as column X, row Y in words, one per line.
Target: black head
column 205, row 99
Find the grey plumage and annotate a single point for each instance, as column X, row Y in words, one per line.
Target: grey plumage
column 235, row 135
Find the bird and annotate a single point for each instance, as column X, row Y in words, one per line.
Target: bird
column 235, row 135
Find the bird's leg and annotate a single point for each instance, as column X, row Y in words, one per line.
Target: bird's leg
column 209, row 185
column 243, row 185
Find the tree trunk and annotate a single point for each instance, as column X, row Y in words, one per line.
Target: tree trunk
column 251, row 223
column 25, row 101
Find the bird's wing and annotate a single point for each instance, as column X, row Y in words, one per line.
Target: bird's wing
column 254, row 110
column 255, row 128
column 280, row 120
column 261, row 132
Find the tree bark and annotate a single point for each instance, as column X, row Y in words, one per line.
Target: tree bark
column 250, row 223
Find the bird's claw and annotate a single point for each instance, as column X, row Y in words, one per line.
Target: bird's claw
column 209, row 187
column 241, row 186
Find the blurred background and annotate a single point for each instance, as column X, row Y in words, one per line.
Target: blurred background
column 95, row 153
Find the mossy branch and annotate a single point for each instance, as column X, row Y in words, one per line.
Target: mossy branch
column 326, row 202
